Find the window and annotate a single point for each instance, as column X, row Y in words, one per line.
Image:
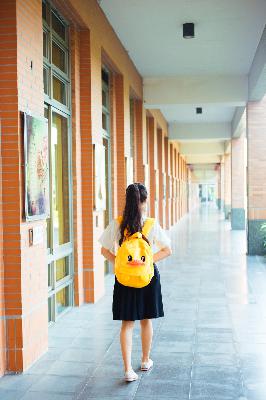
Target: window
column 56, row 85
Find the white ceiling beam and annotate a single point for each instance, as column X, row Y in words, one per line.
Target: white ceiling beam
column 214, row 148
column 238, row 125
column 202, row 159
column 257, row 73
column 191, row 131
column 203, row 167
column 230, row 89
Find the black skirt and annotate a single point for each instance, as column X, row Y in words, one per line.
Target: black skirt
column 130, row 304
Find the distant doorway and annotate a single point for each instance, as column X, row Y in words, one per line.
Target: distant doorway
column 207, row 193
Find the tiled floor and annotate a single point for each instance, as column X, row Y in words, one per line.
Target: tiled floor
column 211, row 344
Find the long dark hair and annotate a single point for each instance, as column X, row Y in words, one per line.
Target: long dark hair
column 136, row 193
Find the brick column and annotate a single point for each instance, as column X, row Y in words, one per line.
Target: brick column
column 120, row 141
column 227, row 185
column 2, row 299
column 75, row 38
column 238, row 217
column 139, row 165
column 23, row 315
column 160, row 172
column 166, row 144
column 175, row 185
column 256, row 151
column 171, row 184
column 151, row 129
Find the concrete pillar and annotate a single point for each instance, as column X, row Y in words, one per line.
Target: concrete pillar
column 256, row 177
column 222, row 184
column 227, row 185
column 238, row 213
column 218, row 190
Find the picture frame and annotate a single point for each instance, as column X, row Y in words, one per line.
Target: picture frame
column 36, row 167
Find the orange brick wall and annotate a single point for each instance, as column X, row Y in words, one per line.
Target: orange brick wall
column 26, row 329
column 77, row 164
column 10, row 177
column 33, row 275
column 2, row 302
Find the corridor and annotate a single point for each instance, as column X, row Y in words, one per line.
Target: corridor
column 211, row 344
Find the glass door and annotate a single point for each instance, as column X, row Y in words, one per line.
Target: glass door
column 59, row 225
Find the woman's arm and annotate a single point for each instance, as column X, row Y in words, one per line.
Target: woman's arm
column 108, row 255
column 162, row 253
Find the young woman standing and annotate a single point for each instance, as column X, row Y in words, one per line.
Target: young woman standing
column 131, row 304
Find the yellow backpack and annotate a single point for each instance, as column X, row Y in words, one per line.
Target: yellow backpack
column 134, row 258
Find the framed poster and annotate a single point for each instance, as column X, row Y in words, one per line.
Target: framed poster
column 99, row 177
column 36, row 154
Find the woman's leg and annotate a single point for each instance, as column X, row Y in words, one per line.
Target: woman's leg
column 146, row 338
column 126, row 343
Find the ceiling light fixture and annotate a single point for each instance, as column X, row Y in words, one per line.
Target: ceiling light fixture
column 188, row 30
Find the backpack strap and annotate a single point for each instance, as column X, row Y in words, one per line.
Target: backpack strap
column 119, row 220
column 148, row 224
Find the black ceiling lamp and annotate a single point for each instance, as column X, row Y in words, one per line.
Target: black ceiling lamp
column 199, row 110
column 188, row 30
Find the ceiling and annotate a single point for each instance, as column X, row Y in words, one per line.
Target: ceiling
column 186, row 113
column 227, row 34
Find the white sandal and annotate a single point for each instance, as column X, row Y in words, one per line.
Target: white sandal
column 145, row 366
column 131, row 376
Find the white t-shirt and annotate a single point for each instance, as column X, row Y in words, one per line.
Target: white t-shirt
column 111, row 235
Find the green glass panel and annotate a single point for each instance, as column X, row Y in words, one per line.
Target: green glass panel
column 62, row 299
column 62, row 269
column 59, row 57
column 59, row 90
column 45, row 45
column 44, row 11
column 58, row 26
column 60, row 180
column 45, row 80
column 50, row 307
column 104, row 121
